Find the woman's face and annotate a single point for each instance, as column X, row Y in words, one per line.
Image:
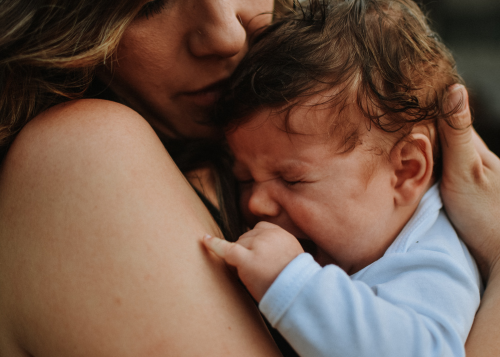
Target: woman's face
column 174, row 57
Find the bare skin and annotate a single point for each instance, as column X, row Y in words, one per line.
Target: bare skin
column 170, row 64
column 99, row 247
column 471, row 193
column 100, row 250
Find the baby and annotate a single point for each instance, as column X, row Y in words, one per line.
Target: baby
column 331, row 118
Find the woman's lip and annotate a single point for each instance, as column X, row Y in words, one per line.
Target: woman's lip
column 206, row 96
column 203, row 99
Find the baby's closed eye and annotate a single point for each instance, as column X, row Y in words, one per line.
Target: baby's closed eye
column 291, row 182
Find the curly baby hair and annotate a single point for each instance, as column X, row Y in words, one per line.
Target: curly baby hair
column 378, row 54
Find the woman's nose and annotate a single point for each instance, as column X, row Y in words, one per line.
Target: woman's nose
column 221, row 32
column 261, row 202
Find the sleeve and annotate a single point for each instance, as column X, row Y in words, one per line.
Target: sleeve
column 414, row 304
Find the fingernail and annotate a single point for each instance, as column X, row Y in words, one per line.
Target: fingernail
column 456, row 97
column 207, row 236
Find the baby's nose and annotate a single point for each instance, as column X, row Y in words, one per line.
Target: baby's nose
column 262, row 202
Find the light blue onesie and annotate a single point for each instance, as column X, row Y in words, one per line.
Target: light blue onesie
column 419, row 299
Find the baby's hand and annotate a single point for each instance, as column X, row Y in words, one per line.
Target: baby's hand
column 259, row 255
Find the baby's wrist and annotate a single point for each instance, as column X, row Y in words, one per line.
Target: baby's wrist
column 287, row 285
column 261, row 284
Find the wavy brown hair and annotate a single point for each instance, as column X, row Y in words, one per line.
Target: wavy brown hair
column 380, row 54
column 49, row 51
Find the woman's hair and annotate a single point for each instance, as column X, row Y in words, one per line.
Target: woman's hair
column 49, row 50
column 378, row 54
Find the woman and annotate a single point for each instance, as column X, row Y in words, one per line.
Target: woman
column 100, row 238
column 100, row 234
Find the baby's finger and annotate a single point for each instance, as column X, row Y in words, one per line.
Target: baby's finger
column 232, row 253
column 219, row 246
column 248, row 238
column 265, row 225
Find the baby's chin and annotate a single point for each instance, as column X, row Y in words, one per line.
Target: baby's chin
column 319, row 255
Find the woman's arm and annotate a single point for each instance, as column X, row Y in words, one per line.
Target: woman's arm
column 100, row 251
column 483, row 339
column 471, row 193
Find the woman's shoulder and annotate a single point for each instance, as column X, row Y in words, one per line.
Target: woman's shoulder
column 88, row 114
column 90, row 137
column 87, row 105
column 83, row 126
column 98, row 227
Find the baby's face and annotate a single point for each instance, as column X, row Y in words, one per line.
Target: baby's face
column 342, row 202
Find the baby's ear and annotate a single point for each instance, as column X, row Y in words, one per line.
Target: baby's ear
column 413, row 163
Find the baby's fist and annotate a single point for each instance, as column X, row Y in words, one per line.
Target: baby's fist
column 259, row 255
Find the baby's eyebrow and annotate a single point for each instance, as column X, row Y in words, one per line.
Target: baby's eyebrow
column 294, row 166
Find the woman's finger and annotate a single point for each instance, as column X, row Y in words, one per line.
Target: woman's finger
column 458, row 144
column 488, row 158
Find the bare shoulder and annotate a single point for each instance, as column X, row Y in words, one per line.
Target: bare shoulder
column 83, row 122
column 86, row 111
column 87, row 136
column 100, row 250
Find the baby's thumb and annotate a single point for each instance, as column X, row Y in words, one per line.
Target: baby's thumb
column 457, row 144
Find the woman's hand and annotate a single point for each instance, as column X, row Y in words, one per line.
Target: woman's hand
column 470, row 186
column 259, row 255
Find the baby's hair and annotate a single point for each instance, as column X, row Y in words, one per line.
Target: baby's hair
column 379, row 54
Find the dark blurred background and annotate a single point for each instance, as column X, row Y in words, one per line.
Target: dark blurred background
column 471, row 29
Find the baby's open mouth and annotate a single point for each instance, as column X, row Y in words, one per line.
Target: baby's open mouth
column 319, row 255
column 309, row 246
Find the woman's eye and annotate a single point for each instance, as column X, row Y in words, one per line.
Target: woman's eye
column 152, row 8
column 244, row 182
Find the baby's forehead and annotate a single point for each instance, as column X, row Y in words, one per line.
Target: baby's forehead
column 341, row 126
column 316, row 120
column 313, row 114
